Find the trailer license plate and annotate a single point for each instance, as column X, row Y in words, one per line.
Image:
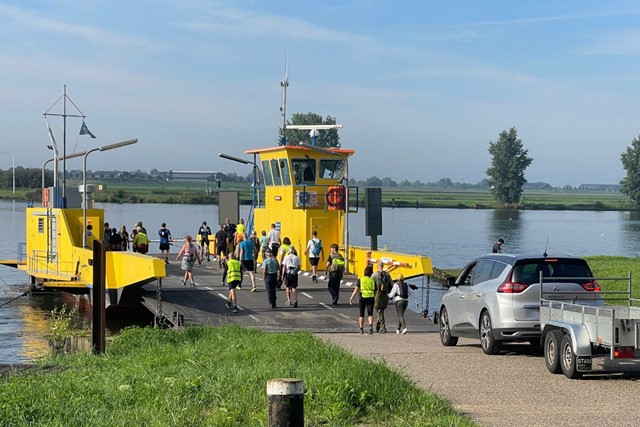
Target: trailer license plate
column 583, row 363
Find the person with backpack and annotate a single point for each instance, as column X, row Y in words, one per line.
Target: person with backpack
column 141, row 241
column 315, row 252
column 335, row 268
column 290, row 269
column 165, row 241
column 400, row 294
column 384, row 283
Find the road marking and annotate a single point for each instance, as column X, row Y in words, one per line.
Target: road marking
column 322, row 277
column 306, row 273
column 344, row 315
column 223, row 296
column 208, row 288
column 348, row 284
column 254, row 317
column 306, row 295
column 325, row 306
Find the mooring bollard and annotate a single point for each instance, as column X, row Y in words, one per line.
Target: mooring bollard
column 285, row 397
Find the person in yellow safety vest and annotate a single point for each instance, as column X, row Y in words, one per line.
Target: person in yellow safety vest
column 366, row 286
column 234, row 277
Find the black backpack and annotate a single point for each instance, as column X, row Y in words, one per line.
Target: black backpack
column 404, row 290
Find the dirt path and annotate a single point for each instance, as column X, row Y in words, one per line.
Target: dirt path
column 513, row 389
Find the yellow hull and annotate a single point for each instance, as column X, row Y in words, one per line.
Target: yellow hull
column 55, row 258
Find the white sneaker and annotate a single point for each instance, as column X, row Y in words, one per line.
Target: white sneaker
column 404, row 331
column 397, row 331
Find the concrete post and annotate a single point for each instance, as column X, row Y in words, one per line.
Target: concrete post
column 285, row 398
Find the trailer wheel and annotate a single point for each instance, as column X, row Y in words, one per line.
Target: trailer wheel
column 446, row 338
column 552, row 342
column 568, row 359
column 489, row 344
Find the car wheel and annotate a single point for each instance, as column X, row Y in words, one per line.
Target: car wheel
column 446, row 338
column 568, row 359
column 489, row 344
column 552, row 351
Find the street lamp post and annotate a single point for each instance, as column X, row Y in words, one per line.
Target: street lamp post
column 84, row 181
column 70, row 156
column 13, row 168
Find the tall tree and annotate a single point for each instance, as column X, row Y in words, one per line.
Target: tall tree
column 325, row 138
column 508, row 164
column 631, row 163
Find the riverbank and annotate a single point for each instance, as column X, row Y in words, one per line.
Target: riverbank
column 190, row 193
column 204, row 376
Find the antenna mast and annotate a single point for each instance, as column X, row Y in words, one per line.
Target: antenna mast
column 283, row 109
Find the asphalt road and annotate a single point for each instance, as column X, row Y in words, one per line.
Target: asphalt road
column 511, row 389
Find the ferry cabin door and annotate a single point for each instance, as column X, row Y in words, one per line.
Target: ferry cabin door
column 325, row 233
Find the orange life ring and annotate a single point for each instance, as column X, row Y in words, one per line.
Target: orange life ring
column 335, row 198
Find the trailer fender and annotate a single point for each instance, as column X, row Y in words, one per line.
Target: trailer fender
column 580, row 340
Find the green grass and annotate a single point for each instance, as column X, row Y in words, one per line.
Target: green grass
column 616, row 266
column 204, row 376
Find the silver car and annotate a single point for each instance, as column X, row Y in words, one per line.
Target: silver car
column 496, row 297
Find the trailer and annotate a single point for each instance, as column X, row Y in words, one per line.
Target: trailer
column 573, row 333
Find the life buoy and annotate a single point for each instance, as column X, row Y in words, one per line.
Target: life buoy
column 335, row 198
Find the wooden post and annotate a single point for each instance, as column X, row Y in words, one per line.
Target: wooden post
column 286, row 402
column 99, row 287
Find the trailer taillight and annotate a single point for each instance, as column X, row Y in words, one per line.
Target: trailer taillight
column 624, row 353
column 591, row 286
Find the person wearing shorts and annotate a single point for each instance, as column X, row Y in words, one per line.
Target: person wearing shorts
column 165, row 241
column 315, row 252
column 290, row 269
column 234, row 278
column 204, row 232
column 221, row 245
column 246, row 257
column 366, row 286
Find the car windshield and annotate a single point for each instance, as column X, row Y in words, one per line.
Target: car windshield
column 552, row 269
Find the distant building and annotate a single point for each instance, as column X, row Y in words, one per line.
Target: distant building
column 193, row 176
column 537, row 186
column 611, row 188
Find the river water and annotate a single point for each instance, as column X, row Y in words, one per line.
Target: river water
column 449, row 236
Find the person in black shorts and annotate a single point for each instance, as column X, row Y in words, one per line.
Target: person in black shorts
column 366, row 287
column 204, row 232
column 221, row 245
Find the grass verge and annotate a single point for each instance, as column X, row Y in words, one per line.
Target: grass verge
column 204, row 376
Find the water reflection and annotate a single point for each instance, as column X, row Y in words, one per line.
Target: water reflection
column 505, row 224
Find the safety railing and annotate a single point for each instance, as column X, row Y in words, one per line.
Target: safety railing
column 44, row 262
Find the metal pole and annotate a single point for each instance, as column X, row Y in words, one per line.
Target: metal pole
column 84, row 197
column 64, row 149
column 13, row 166
column 285, row 398
column 99, row 287
column 346, row 213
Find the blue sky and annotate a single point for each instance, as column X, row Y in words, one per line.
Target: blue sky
column 421, row 87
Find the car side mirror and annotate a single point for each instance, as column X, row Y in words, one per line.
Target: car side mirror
column 451, row 281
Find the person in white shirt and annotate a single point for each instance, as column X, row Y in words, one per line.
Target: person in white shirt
column 315, row 252
column 290, row 269
column 273, row 237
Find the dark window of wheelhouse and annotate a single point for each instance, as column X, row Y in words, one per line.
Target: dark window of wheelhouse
column 275, row 170
column 284, row 167
column 268, row 179
column 304, row 171
column 331, row 169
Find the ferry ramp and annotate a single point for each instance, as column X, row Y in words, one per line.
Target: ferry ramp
column 204, row 304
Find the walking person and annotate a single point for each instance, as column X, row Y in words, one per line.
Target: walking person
column 400, row 294
column 107, row 236
column 141, row 241
column 264, row 244
column 230, row 229
column 366, row 286
column 273, row 238
column 165, row 241
column 335, row 267
column 234, row 278
column 246, row 258
column 290, row 270
column 315, row 252
column 270, row 266
column 204, row 232
column 189, row 254
column 497, row 247
column 220, row 239
column 384, row 283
